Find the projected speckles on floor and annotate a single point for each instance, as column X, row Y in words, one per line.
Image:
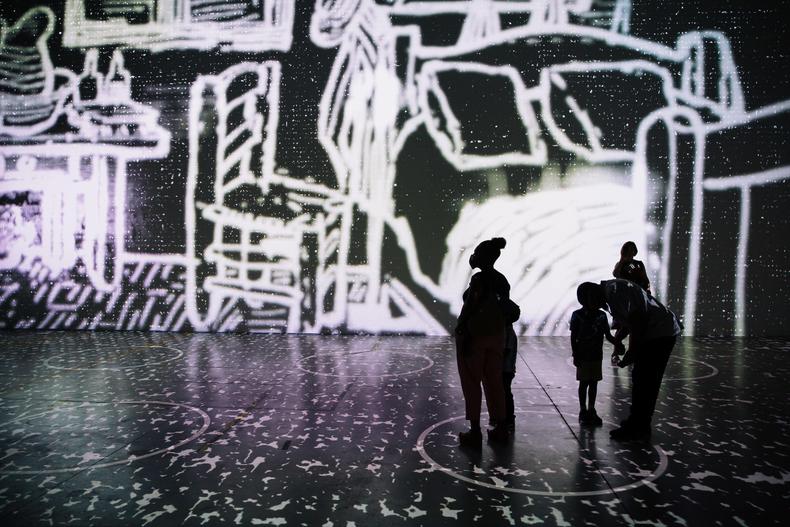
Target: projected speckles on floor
column 372, row 363
column 681, row 369
column 236, row 430
column 538, row 461
column 114, row 359
column 111, row 434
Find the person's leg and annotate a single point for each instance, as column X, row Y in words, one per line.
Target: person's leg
column 640, row 379
column 470, row 364
column 646, row 378
column 510, row 407
column 592, row 392
column 582, row 398
column 492, row 379
column 469, row 367
column 661, row 349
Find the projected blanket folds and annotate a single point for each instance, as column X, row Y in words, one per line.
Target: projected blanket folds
column 260, row 165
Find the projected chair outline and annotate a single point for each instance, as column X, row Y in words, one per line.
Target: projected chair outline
column 232, row 25
column 73, row 164
column 690, row 85
column 691, row 181
column 279, row 254
column 225, row 131
column 294, row 258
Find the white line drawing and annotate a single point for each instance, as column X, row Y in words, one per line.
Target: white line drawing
column 689, row 94
column 63, row 170
column 286, row 254
column 268, row 249
column 231, row 25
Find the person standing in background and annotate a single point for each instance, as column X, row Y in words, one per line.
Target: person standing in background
column 628, row 268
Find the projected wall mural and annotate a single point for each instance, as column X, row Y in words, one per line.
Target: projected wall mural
column 278, row 165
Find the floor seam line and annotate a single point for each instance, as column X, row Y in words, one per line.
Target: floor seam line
column 575, row 437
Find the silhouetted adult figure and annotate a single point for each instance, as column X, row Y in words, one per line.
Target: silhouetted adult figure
column 480, row 342
column 653, row 329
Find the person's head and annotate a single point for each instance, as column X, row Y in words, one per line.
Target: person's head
column 591, row 295
column 486, row 253
column 628, row 250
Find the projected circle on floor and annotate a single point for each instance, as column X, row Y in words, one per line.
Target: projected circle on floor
column 88, row 436
column 672, row 367
column 372, row 363
column 544, row 458
column 113, row 359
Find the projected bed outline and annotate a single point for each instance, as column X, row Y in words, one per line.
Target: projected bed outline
column 687, row 101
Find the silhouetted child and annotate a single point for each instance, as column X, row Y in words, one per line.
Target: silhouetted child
column 589, row 326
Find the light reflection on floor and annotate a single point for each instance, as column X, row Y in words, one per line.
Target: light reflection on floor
column 162, row 429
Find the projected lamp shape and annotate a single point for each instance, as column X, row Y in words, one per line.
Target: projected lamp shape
column 230, row 25
column 31, row 98
column 65, row 155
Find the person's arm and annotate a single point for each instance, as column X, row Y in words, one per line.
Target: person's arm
column 643, row 277
column 606, row 330
column 471, row 298
column 616, row 270
column 574, row 338
column 619, row 349
column 637, row 326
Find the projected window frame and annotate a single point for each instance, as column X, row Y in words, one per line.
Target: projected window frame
column 157, row 25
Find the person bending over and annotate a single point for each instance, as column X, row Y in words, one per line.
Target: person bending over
column 654, row 330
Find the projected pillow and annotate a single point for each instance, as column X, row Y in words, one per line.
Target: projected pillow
column 478, row 115
column 595, row 109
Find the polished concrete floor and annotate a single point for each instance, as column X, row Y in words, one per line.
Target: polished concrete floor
column 170, row 429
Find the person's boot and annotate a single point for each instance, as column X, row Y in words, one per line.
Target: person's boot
column 472, row 438
column 593, row 418
column 498, row 434
column 630, row 433
column 511, row 424
column 583, row 417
